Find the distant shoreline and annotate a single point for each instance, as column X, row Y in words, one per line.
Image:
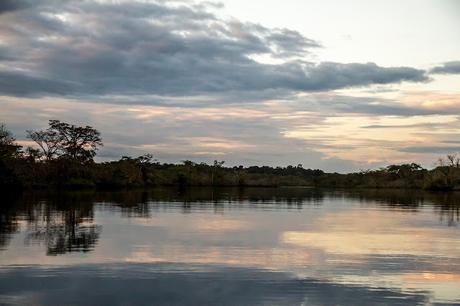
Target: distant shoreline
column 129, row 173
column 63, row 158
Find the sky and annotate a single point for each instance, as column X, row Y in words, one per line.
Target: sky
column 336, row 85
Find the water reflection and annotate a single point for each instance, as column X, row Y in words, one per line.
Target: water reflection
column 62, row 222
column 189, row 285
column 286, row 246
column 66, row 236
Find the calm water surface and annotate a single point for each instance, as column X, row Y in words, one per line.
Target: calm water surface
column 289, row 246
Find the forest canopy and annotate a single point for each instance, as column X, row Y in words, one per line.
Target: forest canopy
column 63, row 157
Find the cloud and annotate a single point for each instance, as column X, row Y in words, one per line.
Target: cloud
column 15, row 5
column 431, row 149
column 246, row 134
column 17, row 84
column 328, row 75
column 11, row 5
column 83, row 48
column 334, row 133
column 447, row 68
column 173, row 77
column 398, row 126
column 343, row 104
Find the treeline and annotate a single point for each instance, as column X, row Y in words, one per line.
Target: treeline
column 63, row 157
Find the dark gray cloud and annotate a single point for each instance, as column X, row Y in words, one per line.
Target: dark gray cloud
column 393, row 126
column 447, row 68
column 18, row 84
column 14, row 5
column 327, row 76
column 85, row 48
column 431, row 149
column 6, row 53
column 341, row 104
column 11, row 5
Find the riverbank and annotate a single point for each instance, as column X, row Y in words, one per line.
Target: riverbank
column 141, row 172
column 64, row 154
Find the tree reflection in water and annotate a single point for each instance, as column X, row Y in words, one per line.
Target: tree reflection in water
column 65, row 232
column 64, row 222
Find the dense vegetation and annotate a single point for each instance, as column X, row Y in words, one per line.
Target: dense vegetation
column 64, row 157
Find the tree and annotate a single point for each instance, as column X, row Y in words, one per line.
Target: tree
column 145, row 159
column 217, row 165
column 8, row 145
column 48, row 140
column 453, row 160
column 403, row 170
column 77, row 142
column 10, row 152
column 67, row 141
column 32, row 154
column 446, row 167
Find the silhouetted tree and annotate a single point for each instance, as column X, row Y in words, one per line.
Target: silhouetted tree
column 32, row 154
column 8, row 145
column 10, row 151
column 67, row 140
column 48, row 140
column 453, row 160
column 217, row 165
column 446, row 174
column 403, row 170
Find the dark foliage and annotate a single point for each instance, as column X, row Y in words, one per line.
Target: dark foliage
column 65, row 153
